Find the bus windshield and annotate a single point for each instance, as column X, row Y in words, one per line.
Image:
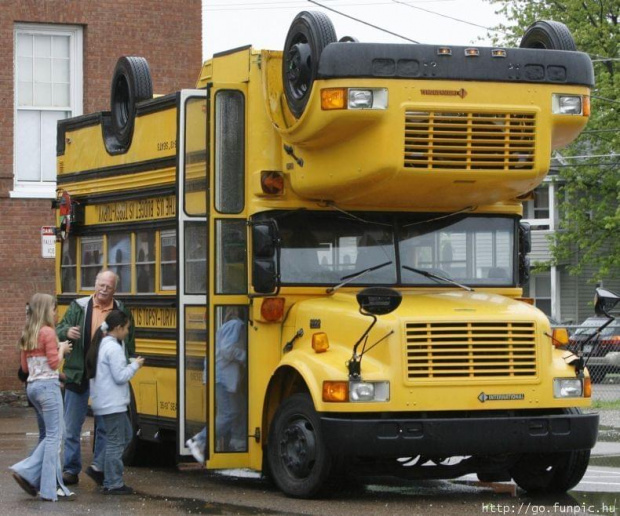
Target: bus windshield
column 323, row 248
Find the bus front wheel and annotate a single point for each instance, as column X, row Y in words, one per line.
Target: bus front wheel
column 551, row 472
column 299, row 461
column 308, row 35
column 550, row 35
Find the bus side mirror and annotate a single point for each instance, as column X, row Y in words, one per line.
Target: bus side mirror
column 265, row 257
column 605, row 301
column 524, row 269
column 525, row 238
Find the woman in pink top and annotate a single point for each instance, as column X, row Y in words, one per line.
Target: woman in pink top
column 41, row 355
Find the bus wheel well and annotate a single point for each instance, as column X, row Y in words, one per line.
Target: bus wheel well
column 284, row 383
column 550, row 35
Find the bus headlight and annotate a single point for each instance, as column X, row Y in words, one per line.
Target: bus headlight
column 567, row 104
column 354, row 98
column 370, row 98
column 567, row 388
column 369, row 391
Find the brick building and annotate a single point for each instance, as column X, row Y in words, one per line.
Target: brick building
column 57, row 58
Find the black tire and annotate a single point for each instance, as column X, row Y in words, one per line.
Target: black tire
column 548, row 35
column 131, row 83
column 133, row 455
column 299, row 462
column 308, row 35
column 552, row 472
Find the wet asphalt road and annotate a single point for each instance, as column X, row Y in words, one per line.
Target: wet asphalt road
column 191, row 490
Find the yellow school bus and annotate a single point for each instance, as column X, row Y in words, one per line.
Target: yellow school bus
column 323, row 252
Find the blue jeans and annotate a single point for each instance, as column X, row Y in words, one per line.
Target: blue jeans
column 76, row 406
column 42, row 468
column 118, row 435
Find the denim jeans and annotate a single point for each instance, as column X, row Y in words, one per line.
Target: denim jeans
column 118, row 436
column 42, row 468
column 230, row 421
column 76, row 406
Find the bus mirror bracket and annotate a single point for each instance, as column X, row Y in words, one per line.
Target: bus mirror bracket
column 265, row 257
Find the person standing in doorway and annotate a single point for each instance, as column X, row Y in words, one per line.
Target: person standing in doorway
column 41, row 356
column 79, row 324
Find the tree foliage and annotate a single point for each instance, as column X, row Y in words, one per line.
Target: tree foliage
column 589, row 226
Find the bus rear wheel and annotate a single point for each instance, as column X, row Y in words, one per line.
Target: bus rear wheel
column 551, row 472
column 308, row 35
column 550, row 35
column 299, row 461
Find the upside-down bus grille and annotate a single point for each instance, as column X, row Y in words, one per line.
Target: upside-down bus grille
column 469, row 141
column 470, row 350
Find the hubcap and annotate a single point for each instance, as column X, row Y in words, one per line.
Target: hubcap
column 298, row 448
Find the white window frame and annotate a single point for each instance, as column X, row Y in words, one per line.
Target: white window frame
column 47, row 189
column 551, row 220
column 554, row 276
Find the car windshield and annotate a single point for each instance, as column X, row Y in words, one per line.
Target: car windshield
column 589, row 326
column 322, row 248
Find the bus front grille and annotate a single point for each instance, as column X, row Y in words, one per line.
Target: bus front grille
column 469, row 141
column 470, row 350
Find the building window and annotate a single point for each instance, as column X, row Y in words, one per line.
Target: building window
column 541, row 212
column 539, row 288
column 48, row 88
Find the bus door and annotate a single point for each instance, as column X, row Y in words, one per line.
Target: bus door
column 228, row 293
column 193, row 342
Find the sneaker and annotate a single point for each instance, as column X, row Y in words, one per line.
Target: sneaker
column 123, row 490
column 70, row 479
column 62, row 496
column 95, row 474
column 195, row 449
column 25, row 485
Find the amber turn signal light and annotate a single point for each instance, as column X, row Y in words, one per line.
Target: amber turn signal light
column 272, row 309
column 587, row 387
column 335, row 391
column 559, row 337
column 333, row 98
column 320, row 342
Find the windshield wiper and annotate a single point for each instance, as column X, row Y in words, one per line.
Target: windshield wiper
column 437, row 277
column 349, row 278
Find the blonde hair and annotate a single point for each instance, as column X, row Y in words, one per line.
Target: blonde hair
column 38, row 314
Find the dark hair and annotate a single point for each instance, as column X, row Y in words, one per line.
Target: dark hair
column 114, row 319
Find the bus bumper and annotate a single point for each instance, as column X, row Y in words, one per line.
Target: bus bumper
column 444, row 437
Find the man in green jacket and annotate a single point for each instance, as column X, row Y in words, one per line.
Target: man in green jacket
column 78, row 325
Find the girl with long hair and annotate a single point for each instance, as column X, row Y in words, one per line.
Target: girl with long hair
column 109, row 372
column 41, row 355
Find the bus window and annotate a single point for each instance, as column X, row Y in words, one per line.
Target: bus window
column 168, row 242
column 119, row 260
column 231, row 386
column 92, row 261
column 195, row 157
column 229, row 151
column 196, row 258
column 231, row 257
column 68, row 266
column 145, row 262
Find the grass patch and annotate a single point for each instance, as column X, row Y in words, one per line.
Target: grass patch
column 606, row 405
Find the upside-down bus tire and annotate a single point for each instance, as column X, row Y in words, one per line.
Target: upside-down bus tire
column 308, row 35
column 131, row 83
column 550, row 35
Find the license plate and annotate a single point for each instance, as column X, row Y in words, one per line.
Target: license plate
column 587, row 348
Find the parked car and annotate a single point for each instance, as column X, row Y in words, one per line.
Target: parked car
column 608, row 343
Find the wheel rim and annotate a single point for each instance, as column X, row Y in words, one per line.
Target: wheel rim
column 299, row 69
column 298, row 448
